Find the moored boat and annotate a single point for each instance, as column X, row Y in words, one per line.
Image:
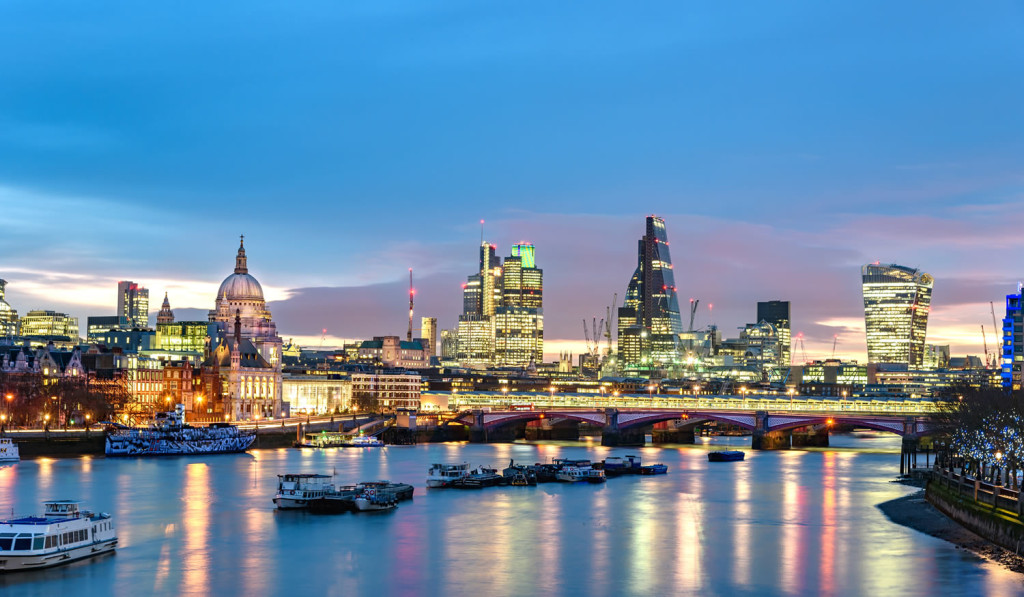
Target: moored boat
column 61, row 535
column 443, row 475
column 8, row 450
column 169, row 435
column 725, row 456
column 297, row 491
column 370, row 500
column 654, row 469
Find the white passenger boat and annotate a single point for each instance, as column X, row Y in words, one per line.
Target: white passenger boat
column 8, row 450
column 296, row 491
column 62, row 534
column 442, row 475
column 169, row 435
column 363, row 441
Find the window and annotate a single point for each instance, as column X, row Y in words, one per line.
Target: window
column 37, row 542
column 23, row 543
column 6, row 540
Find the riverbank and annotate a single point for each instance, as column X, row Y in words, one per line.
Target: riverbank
column 914, row 512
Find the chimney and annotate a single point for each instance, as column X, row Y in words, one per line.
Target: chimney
column 238, row 326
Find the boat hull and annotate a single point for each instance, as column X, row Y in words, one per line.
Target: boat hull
column 170, row 446
column 19, row 563
column 725, row 456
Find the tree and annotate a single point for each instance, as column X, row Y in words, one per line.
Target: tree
column 365, row 402
column 984, row 428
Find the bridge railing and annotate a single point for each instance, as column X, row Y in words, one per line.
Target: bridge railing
column 804, row 405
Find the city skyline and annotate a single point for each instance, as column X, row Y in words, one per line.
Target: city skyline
column 780, row 170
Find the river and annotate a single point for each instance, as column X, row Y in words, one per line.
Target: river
column 781, row 523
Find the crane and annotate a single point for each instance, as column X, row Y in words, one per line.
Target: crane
column 323, row 336
column 609, row 313
column 995, row 328
column 984, row 341
column 693, row 312
column 835, row 339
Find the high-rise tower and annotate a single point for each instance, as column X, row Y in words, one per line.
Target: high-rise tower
column 897, row 300
column 777, row 314
column 1013, row 342
column 519, row 321
column 8, row 316
column 649, row 322
column 133, row 304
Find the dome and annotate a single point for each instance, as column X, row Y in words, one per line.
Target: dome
column 240, row 287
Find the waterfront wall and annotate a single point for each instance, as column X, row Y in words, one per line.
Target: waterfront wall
column 985, row 510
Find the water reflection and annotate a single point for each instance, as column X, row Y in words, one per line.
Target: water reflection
column 777, row 524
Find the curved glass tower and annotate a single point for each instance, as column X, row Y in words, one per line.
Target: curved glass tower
column 649, row 321
column 897, row 301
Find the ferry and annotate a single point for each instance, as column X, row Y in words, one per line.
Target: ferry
column 169, row 435
column 8, row 450
column 371, row 501
column 443, row 475
column 325, row 439
column 61, row 535
column 574, row 474
column 299, row 491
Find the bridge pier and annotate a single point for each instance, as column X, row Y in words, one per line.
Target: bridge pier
column 612, row 436
column 477, row 431
column 810, row 437
column 762, row 439
column 672, row 432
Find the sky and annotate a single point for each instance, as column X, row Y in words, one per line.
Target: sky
column 785, row 144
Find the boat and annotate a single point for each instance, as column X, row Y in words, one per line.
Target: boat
column 370, row 500
column 595, row 476
column 725, row 456
column 571, row 474
column 297, row 491
column 443, row 475
column 654, row 469
column 326, row 439
column 8, row 450
column 169, row 435
column 61, row 535
column 343, row 499
column 401, row 491
column 519, row 475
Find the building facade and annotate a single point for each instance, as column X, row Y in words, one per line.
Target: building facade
column 48, row 323
column 247, row 331
column 392, row 389
column 777, row 313
column 897, row 301
column 317, row 392
column 1013, row 343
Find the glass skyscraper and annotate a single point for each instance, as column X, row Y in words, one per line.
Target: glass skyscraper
column 897, row 300
column 649, row 322
column 1013, row 342
column 133, row 304
column 777, row 314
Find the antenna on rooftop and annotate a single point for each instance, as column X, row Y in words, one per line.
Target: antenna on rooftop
column 481, row 232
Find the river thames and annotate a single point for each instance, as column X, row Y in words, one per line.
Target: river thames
column 780, row 523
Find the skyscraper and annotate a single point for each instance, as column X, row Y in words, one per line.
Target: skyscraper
column 897, row 300
column 519, row 321
column 8, row 316
column 777, row 314
column 649, row 322
column 428, row 331
column 133, row 304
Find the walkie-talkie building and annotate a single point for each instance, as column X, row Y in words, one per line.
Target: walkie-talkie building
column 649, row 322
column 897, row 300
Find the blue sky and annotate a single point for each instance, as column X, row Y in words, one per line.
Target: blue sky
column 784, row 143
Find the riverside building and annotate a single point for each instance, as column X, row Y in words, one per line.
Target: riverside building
column 897, row 301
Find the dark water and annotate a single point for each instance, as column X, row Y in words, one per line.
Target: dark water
column 781, row 523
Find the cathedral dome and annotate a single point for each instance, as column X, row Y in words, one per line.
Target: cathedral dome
column 240, row 285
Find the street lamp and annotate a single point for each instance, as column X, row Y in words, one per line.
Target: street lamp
column 46, row 422
column 650, row 392
column 3, row 423
column 552, row 390
column 9, row 398
column 790, row 391
column 842, row 403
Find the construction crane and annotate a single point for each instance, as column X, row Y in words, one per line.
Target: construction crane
column 995, row 329
column 323, row 336
column 609, row 313
column 693, row 312
column 984, row 341
column 590, row 334
column 835, row 339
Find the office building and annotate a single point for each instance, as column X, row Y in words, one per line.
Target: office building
column 777, row 313
column 8, row 315
column 518, row 336
column 48, row 323
column 133, row 304
column 1013, row 342
column 649, row 322
column 897, row 301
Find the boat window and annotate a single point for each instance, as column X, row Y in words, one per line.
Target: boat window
column 37, row 542
column 23, row 543
column 6, row 540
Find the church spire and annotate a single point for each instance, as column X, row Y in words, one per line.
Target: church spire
column 240, row 267
column 165, row 315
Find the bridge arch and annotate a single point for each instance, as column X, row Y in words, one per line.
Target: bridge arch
column 890, row 425
column 627, row 421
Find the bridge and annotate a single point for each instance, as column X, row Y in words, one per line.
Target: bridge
column 775, row 421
